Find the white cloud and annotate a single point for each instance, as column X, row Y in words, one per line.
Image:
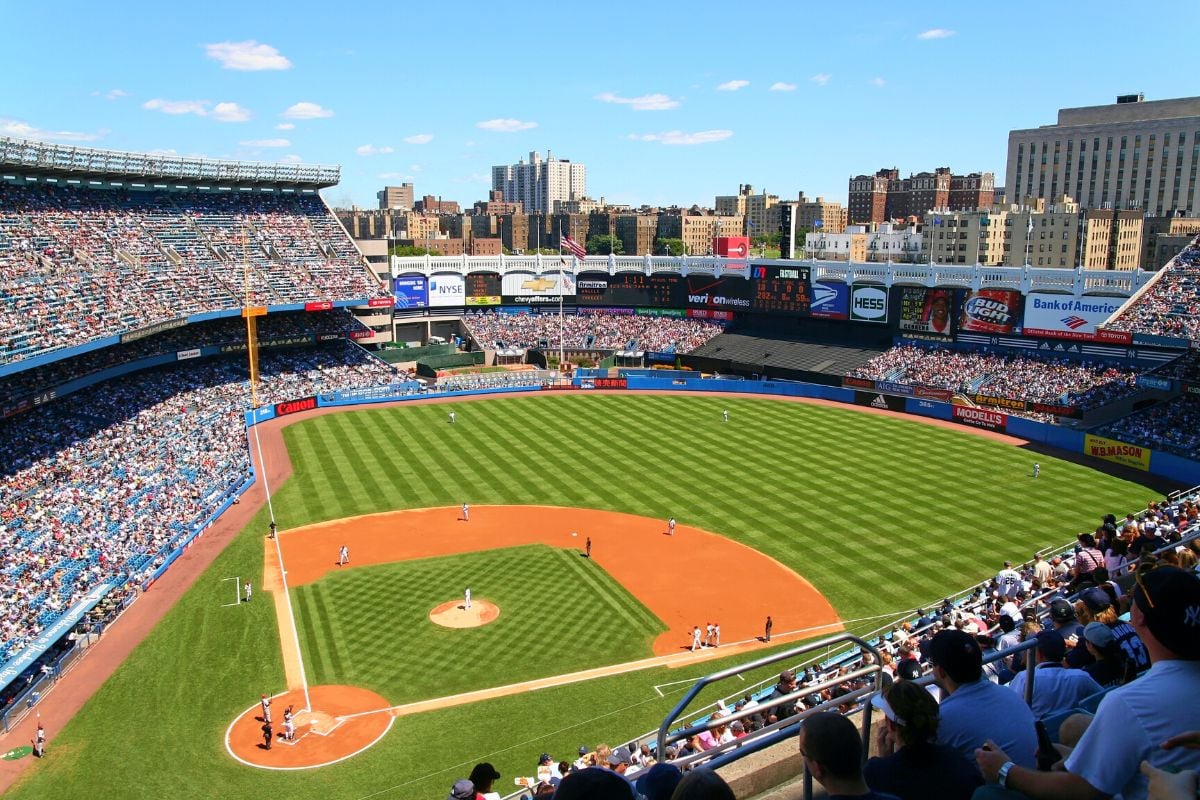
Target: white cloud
column 266, row 143
column 111, row 94
column 248, row 56
column 416, row 168
column 505, row 125
column 222, row 112
column 936, row 33
column 647, row 102
column 23, row 130
column 394, row 176
column 821, row 78
column 285, row 126
column 680, row 137
column 230, row 112
column 306, row 110
column 780, row 86
column 290, row 158
column 197, row 107
column 372, row 150
column 732, row 86
column 420, row 138
column 878, row 82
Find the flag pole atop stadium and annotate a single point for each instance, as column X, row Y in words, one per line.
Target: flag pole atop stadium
column 561, row 278
column 252, row 312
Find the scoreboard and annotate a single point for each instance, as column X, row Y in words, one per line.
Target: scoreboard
column 630, row 289
column 783, row 290
column 482, row 289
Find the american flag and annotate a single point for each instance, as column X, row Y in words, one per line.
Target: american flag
column 575, row 247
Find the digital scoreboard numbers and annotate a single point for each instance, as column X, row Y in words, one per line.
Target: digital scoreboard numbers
column 782, row 290
column 483, row 289
column 630, row 289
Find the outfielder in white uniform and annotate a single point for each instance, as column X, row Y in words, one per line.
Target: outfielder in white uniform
column 671, row 526
column 725, row 415
column 466, row 512
column 1037, row 468
column 467, row 598
column 452, row 417
column 695, row 638
column 343, row 556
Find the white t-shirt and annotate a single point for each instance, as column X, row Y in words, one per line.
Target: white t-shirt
column 1008, row 582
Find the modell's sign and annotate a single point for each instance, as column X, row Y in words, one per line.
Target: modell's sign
column 295, row 406
column 980, row 418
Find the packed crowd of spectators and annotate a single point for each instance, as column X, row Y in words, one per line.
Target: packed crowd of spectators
column 99, row 487
column 1173, row 426
column 77, row 263
column 230, row 330
column 589, row 330
column 1171, row 307
column 1035, row 379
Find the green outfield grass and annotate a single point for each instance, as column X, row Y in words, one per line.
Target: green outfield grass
column 369, row 626
column 881, row 513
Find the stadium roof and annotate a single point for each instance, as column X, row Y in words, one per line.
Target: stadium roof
column 39, row 158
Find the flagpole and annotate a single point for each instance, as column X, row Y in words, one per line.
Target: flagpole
column 561, row 278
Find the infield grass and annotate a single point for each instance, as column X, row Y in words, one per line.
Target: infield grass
column 881, row 513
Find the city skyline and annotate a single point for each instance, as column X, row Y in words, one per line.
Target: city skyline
column 668, row 114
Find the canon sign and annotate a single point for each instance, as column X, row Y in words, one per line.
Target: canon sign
column 868, row 304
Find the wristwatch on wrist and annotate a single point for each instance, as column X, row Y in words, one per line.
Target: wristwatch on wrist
column 1002, row 775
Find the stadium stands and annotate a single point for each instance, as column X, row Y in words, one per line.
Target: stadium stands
column 750, row 349
column 78, row 264
column 1173, row 426
column 1036, row 379
column 1171, row 306
column 100, row 486
column 591, row 330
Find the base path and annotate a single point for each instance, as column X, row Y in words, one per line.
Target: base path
column 666, row 573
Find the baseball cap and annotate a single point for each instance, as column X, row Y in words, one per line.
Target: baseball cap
column 958, row 654
column 462, row 790
column 484, row 771
column 1169, row 599
column 659, row 782
column 619, row 756
column 583, row 750
column 1099, row 634
column 1096, row 600
column 583, row 784
column 787, row 676
column 544, row 757
column 909, row 669
column 1061, row 610
column 1052, row 645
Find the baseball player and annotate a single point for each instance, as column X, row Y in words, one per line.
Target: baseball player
column 453, row 417
column 268, row 735
column 695, row 638
column 708, row 635
column 467, row 598
column 39, row 741
column 343, row 556
column 249, row 591
column 767, row 630
column 289, row 725
column 266, row 707
column 716, row 634
column 725, row 415
column 671, row 526
column 588, row 547
column 466, row 513
column 1037, row 469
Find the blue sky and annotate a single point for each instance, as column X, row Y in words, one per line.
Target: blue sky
column 664, row 103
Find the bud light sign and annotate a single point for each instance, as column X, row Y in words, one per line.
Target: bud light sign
column 868, row 304
column 990, row 310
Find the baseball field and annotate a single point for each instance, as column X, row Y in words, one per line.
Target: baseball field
column 870, row 513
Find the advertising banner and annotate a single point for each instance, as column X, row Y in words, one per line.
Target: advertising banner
column 184, row 355
column 1002, row 402
column 1116, row 337
column 1061, row 316
column 927, row 408
column 990, row 310
column 943, row 395
column 378, row 302
column 526, row 289
column 660, row 312
column 731, row 246
column 926, row 310
column 701, row 313
column 1154, row 382
column 482, row 289
column 610, row 383
column 830, row 301
column 868, row 304
column 706, row 291
column 1055, row 409
column 412, row 292
column 887, row 402
column 447, row 290
column 631, row 289
column 295, row 406
column 857, row 383
column 142, row 333
column 981, row 418
column 891, row 387
column 319, row 305
column 1129, row 455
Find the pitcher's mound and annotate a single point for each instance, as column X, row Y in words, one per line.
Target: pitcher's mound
column 456, row 615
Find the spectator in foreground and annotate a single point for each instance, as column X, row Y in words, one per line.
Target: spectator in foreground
column 1055, row 688
column 973, row 709
column 703, row 784
column 483, row 776
column 832, row 752
column 594, row 783
column 912, row 765
column 659, row 782
column 1134, row 721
